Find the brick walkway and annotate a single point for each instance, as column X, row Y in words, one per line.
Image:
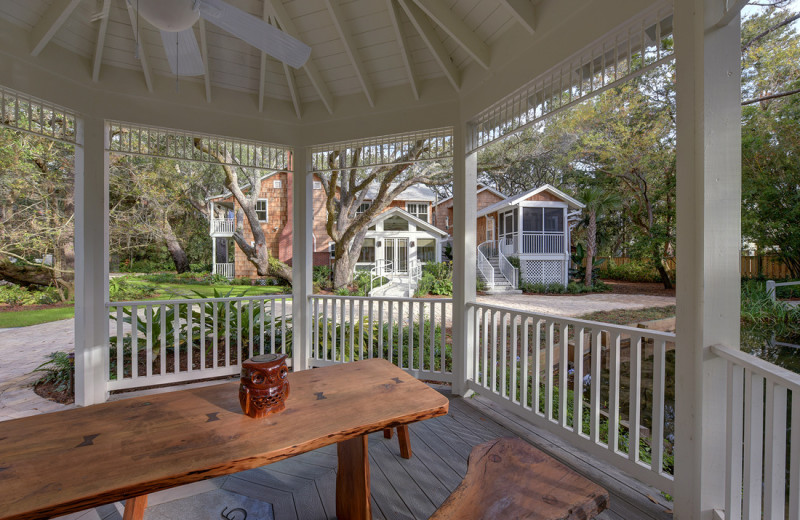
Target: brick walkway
column 25, row 348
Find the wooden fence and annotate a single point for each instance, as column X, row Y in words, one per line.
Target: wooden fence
column 770, row 266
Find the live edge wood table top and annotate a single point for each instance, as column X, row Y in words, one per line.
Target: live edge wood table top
column 68, row 461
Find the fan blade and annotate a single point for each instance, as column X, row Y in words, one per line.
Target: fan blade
column 256, row 32
column 183, row 53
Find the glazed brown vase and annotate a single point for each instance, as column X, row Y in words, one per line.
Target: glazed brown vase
column 264, row 386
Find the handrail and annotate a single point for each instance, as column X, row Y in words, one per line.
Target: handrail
column 508, row 271
column 772, row 285
column 414, row 274
column 787, row 378
column 483, row 262
column 378, row 270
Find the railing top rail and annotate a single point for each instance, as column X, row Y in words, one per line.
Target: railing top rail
column 541, row 233
column 783, row 284
column 200, row 300
column 633, row 331
column 380, row 298
column 787, row 378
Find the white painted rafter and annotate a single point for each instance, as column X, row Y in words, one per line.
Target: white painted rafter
column 424, row 27
column 204, row 53
column 287, row 25
column 51, row 22
column 730, row 9
column 293, row 91
column 456, row 29
column 394, row 16
column 100, row 44
column 523, row 12
column 352, row 51
column 262, row 74
column 137, row 36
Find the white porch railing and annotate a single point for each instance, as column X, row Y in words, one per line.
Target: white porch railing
column 772, row 286
column 412, row 333
column 486, row 269
column 508, row 270
column 763, row 426
column 508, row 244
column 379, row 271
column 611, row 402
column 414, row 274
column 158, row 342
column 227, row 270
column 223, row 226
column 543, row 243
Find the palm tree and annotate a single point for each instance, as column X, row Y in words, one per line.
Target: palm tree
column 598, row 202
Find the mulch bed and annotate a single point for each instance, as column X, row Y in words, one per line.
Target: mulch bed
column 4, row 307
column 653, row 289
column 49, row 391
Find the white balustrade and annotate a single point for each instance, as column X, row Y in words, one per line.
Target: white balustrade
column 610, row 400
column 157, row 342
column 485, row 251
column 223, row 225
column 227, row 270
column 412, row 333
column 763, row 425
column 543, row 243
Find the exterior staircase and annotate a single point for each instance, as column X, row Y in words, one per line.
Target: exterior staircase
column 501, row 284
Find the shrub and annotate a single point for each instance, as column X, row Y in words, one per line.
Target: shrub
column 479, row 285
column 437, row 278
column 57, row 370
column 514, row 261
column 16, row 295
column 200, row 268
column 631, row 272
column 122, row 288
column 758, row 307
column 542, row 288
column 242, row 280
column 322, row 275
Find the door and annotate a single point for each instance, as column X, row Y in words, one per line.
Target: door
column 395, row 250
column 489, row 229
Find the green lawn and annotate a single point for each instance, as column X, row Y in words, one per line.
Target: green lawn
column 166, row 291
column 24, row 318
column 625, row 316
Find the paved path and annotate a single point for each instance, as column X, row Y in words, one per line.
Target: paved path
column 25, row 348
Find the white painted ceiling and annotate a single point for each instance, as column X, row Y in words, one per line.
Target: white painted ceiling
column 233, row 64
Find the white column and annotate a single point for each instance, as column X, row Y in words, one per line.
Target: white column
column 465, row 178
column 214, row 254
column 302, row 259
column 709, row 229
column 91, row 262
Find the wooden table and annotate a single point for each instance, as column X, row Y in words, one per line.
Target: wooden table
column 68, row 461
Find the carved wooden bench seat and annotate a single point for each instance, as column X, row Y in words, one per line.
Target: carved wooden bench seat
column 510, row 479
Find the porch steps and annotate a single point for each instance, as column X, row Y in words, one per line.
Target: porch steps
column 501, row 284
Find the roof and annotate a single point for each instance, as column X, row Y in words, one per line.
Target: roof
column 430, row 228
column 516, row 199
column 418, row 192
column 483, row 188
column 225, row 194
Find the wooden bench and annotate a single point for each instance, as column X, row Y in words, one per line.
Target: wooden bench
column 510, row 479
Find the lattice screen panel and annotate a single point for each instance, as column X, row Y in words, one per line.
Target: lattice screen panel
column 543, row 271
column 29, row 114
column 424, row 145
column 640, row 44
column 190, row 146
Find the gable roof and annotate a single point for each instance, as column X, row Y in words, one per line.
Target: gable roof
column 225, row 194
column 417, row 192
column 421, row 224
column 482, row 187
column 516, row 199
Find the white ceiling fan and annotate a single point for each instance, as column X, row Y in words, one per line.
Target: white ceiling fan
column 175, row 18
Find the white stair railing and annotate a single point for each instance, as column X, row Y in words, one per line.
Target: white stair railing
column 485, row 251
column 378, row 272
column 414, row 274
column 508, row 271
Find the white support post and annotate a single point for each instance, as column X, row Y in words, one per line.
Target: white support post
column 302, row 259
column 214, row 253
column 709, row 229
column 465, row 204
column 91, row 262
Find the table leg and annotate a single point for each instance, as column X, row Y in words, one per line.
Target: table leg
column 404, row 440
column 134, row 508
column 352, row 480
column 388, row 433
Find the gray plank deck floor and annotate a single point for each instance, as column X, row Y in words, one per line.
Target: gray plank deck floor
column 303, row 487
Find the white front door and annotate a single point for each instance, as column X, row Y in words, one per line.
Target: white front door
column 395, row 250
column 489, row 229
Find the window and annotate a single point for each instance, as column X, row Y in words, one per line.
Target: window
column 332, row 249
column 447, row 222
column 362, row 208
column 553, row 219
column 395, row 224
column 367, row 251
column 261, row 210
column 317, row 185
column 547, row 220
column 426, row 250
column 419, row 210
column 277, row 184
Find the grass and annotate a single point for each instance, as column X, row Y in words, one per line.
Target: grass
column 25, row 318
column 625, row 316
column 165, row 291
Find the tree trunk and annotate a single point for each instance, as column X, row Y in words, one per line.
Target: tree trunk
column 591, row 246
column 26, row 274
column 664, row 276
column 343, row 268
column 175, row 249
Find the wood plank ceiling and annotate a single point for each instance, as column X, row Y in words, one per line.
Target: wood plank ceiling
column 358, row 46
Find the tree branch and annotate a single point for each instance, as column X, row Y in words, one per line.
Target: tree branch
column 765, row 32
column 771, row 96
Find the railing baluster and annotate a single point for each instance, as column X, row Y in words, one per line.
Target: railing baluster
column 272, row 326
column 284, row 349
column 134, row 342
column 659, row 387
column 563, row 373
column 370, row 339
column 443, row 337
column 401, row 321
column 215, row 334
column 514, row 358
column 734, row 430
column 342, row 331
column 315, row 332
column 360, row 329
column 613, row 393
column 262, row 336
column 635, row 397
column 238, row 307
column 775, row 451
column 382, row 325
column 325, row 328
column 597, row 355
column 421, row 343
column 495, row 325
column 753, row 443
column 120, row 343
column 250, row 327
column 548, row 385
column 525, row 360
column 227, row 333
column 189, row 343
column 391, row 333
column 537, row 365
column 577, row 379
column 202, row 336
column 148, row 315
column 794, row 463
column 352, row 331
column 504, row 354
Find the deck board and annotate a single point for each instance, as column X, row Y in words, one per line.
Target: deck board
column 303, row 487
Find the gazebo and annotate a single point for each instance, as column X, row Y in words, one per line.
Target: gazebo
column 461, row 74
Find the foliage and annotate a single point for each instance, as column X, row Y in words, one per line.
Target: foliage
column 635, row 271
column 626, row 316
column 26, row 317
column 59, row 370
column 758, row 307
column 542, row 288
column 322, row 275
column 15, row 295
column 579, row 259
column 121, row 288
column 437, row 278
column 480, row 286
column 514, row 261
